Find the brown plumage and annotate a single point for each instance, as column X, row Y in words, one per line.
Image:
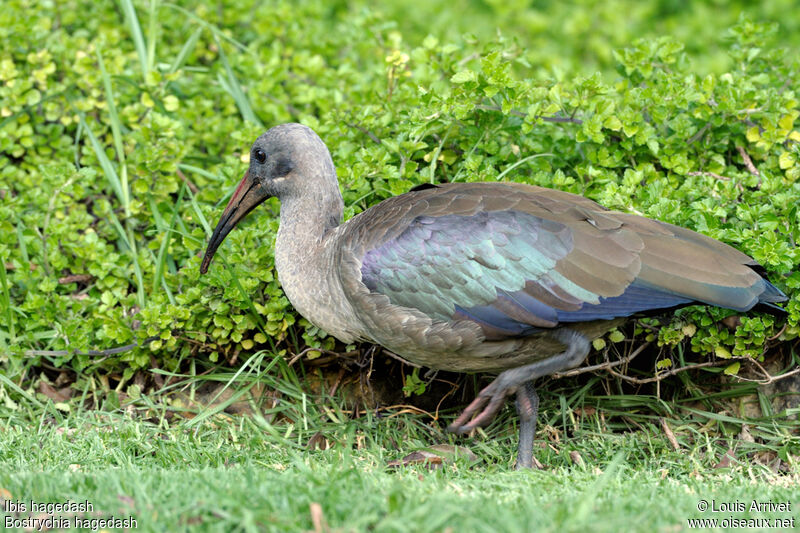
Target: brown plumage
column 468, row 277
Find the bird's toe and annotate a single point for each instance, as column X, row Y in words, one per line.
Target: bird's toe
column 481, row 411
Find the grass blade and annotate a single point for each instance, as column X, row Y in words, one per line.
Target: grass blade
column 23, row 248
column 105, row 163
column 520, row 162
column 250, row 364
column 6, row 304
column 188, row 46
column 152, row 33
column 136, row 33
column 162, row 251
column 235, row 90
column 201, row 171
column 199, row 213
column 4, row 380
column 116, row 133
column 214, row 29
column 129, row 241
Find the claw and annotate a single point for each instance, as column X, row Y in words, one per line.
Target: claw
column 488, row 397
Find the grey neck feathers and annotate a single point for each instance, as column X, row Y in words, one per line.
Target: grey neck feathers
column 305, row 252
column 307, row 217
column 313, row 205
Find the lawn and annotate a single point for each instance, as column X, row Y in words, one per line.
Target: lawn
column 235, row 474
column 188, row 402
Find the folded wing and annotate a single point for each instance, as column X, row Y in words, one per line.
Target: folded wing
column 516, row 259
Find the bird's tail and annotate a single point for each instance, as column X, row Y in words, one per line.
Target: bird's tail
column 768, row 299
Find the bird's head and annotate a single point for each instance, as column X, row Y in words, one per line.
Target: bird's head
column 287, row 161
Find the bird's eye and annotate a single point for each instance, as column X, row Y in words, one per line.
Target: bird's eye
column 260, row 156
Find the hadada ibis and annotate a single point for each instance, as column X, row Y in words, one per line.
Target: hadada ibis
column 477, row 277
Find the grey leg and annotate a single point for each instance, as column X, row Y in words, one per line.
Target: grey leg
column 491, row 399
column 528, row 411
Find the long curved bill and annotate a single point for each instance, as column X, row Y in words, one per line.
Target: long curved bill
column 246, row 197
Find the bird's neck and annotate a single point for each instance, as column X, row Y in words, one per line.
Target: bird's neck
column 305, row 260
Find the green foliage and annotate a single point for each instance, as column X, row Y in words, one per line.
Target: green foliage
column 413, row 385
column 121, row 138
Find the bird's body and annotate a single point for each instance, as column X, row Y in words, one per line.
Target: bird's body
column 408, row 273
column 497, row 277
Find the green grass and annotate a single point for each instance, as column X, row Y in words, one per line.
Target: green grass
column 175, row 464
column 225, row 475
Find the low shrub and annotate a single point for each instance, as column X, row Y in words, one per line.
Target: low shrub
column 122, row 135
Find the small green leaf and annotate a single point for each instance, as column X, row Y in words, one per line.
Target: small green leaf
column 135, row 391
column 613, row 123
column 147, row 100
column 599, row 344
column 616, row 336
column 171, row 102
column 732, row 369
column 786, row 160
column 464, row 76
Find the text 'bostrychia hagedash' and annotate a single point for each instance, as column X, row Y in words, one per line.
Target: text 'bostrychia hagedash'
column 477, row 277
